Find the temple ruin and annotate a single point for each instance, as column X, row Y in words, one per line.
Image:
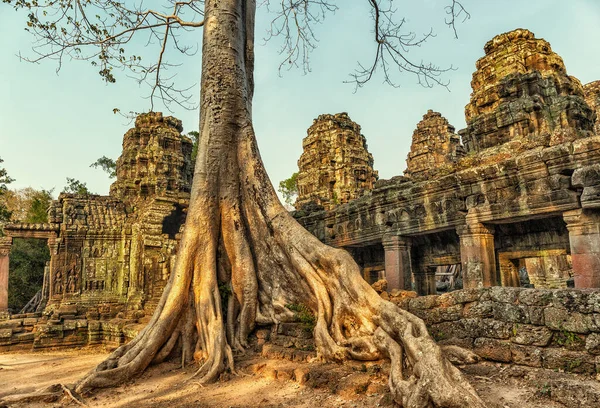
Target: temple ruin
column 516, row 206
column 111, row 255
column 335, row 166
column 512, row 200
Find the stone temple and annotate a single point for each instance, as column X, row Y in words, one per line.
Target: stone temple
column 516, row 203
column 511, row 201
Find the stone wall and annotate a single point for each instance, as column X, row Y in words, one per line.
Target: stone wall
column 335, row 166
column 554, row 329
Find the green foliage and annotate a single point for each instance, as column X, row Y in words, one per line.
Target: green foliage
column 27, row 260
column 38, row 206
column 106, row 164
column 76, row 187
column 4, row 180
column 195, row 136
column 304, row 315
column 289, row 188
column 568, row 339
column 544, row 390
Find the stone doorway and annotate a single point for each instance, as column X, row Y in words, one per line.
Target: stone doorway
column 29, row 263
column 550, row 269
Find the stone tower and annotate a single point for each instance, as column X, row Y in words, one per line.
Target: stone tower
column 335, row 166
column 155, row 159
column 434, row 144
column 592, row 96
column 521, row 92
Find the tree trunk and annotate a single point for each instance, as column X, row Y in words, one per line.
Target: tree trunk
column 239, row 239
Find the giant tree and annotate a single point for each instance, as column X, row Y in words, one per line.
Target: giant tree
column 237, row 233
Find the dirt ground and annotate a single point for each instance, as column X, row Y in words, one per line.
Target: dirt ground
column 279, row 383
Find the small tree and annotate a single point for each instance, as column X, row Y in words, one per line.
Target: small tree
column 76, row 187
column 106, row 164
column 4, row 180
column 289, row 189
column 194, row 136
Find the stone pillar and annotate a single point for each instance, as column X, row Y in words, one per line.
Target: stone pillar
column 398, row 269
column 5, row 244
column 584, row 237
column 425, row 281
column 477, row 255
column 48, row 284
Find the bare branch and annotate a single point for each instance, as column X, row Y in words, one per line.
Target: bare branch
column 454, row 11
column 99, row 31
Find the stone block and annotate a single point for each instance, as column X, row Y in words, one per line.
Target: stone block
column 504, row 294
column 574, row 300
column 526, row 355
column 571, row 361
column 481, row 309
column 423, row 302
column 6, row 333
column 12, row 323
column 507, row 312
column 30, row 321
column 489, row 328
column 70, row 325
column 536, row 297
column 492, row 349
column 531, row 335
column 561, row 319
column 448, row 330
column 592, row 343
column 536, row 315
column 459, row 296
column 82, row 323
column 24, row 337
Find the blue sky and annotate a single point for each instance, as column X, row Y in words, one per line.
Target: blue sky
column 53, row 126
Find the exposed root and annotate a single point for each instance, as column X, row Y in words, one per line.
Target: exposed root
column 242, row 258
column 73, row 396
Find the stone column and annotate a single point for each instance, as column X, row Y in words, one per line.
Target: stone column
column 48, row 284
column 398, row 269
column 5, row 244
column 584, row 237
column 425, row 281
column 477, row 255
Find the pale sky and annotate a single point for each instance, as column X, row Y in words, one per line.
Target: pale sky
column 54, row 126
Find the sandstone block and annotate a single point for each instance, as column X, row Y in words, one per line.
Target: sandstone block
column 571, row 361
column 525, row 355
column 536, row 297
column 492, row 349
column 531, row 335
column 507, row 312
column 561, row 319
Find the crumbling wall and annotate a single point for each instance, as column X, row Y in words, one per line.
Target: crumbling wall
column 553, row 329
